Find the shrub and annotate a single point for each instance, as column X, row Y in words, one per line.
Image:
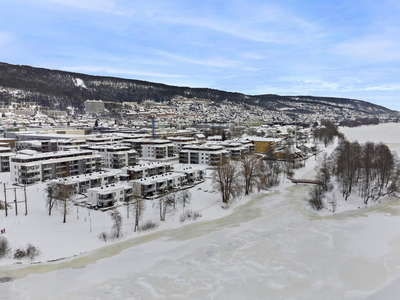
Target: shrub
column 4, row 247
column 32, row 251
column 19, row 253
column 190, row 215
column 103, row 236
column 315, row 197
column 149, row 224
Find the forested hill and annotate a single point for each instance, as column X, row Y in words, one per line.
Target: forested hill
column 59, row 89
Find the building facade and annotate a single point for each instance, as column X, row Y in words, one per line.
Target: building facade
column 28, row 169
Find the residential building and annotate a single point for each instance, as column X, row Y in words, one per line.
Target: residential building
column 145, row 170
column 181, row 141
column 5, row 154
column 104, row 140
column 202, row 154
column 158, row 149
column 29, row 168
column 150, row 186
column 83, row 182
column 110, row 194
column 116, row 156
column 263, row 145
column 94, row 106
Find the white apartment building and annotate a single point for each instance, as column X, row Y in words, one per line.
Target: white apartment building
column 191, row 173
column 145, row 170
column 5, row 154
column 202, row 154
column 236, row 149
column 181, row 141
column 30, row 168
column 157, row 149
column 104, row 140
column 150, row 186
column 110, row 194
column 116, row 156
column 83, row 182
column 62, row 145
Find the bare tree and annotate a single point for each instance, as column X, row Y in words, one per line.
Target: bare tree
column 117, row 222
column 184, row 197
column 138, row 205
column 51, row 196
column 324, row 173
column 226, row 180
column 165, row 205
column 64, row 195
column 272, row 173
column 253, row 172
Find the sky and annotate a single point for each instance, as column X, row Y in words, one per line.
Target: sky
column 336, row 48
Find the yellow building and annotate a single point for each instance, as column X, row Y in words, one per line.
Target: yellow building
column 263, row 145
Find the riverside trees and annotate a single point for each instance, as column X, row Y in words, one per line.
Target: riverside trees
column 231, row 178
column 369, row 169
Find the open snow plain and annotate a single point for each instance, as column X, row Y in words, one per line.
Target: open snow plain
column 271, row 247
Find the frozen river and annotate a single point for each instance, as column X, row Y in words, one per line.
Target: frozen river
column 269, row 248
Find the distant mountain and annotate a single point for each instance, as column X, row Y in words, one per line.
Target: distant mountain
column 59, row 89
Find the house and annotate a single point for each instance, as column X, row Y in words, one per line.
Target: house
column 108, row 195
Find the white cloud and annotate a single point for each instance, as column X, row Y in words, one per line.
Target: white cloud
column 371, row 48
column 101, row 69
column 108, row 6
column 219, row 62
column 259, row 23
column 385, row 87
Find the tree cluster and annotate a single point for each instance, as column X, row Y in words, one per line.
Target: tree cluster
column 326, row 133
column 232, row 178
column 372, row 169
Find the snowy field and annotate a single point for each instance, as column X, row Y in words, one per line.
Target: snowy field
column 80, row 233
column 270, row 246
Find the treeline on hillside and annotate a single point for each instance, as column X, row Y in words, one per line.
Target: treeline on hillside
column 360, row 121
column 59, row 89
column 370, row 170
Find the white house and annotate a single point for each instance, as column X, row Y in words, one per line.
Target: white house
column 110, row 194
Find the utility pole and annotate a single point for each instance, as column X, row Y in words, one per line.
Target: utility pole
column 16, row 206
column 5, row 199
column 26, row 203
column 90, row 220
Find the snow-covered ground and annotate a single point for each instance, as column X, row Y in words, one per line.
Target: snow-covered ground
column 271, row 247
column 388, row 133
column 80, row 233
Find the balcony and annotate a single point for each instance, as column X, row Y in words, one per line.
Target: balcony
column 106, row 197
